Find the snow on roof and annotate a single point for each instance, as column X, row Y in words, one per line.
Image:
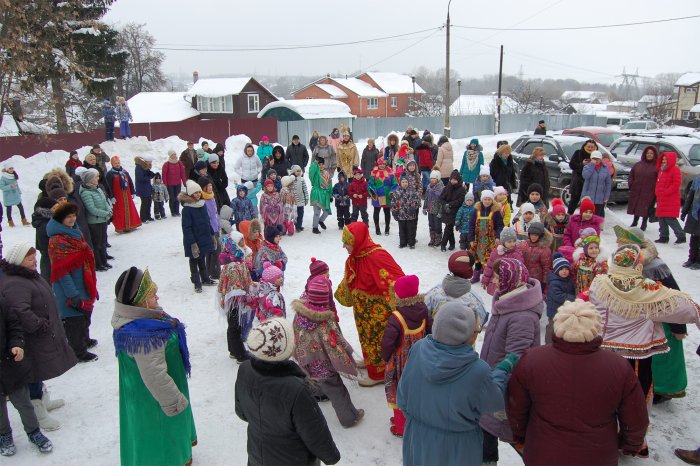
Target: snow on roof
column 623, row 103
column 567, row 95
column 218, row 87
column 695, row 108
column 394, row 83
column 152, row 107
column 481, row 105
column 652, row 99
column 311, row 109
column 584, row 107
column 333, row 91
column 688, row 79
column 359, row 87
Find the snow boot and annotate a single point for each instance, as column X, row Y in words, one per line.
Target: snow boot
column 476, row 276
column 42, row 443
column 377, row 230
column 7, row 445
column 322, row 225
column 316, row 231
column 360, row 415
column 45, row 421
column 25, row 222
column 11, row 223
column 50, row 404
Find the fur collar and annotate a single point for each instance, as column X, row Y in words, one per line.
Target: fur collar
column 66, row 181
column 18, row 270
column 544, row 242
column 602, row 255
column 495, row 207
column 142, row 163
column 419, row 298
column 189, row 201
column 316, row 316
column 649, row 252
column 43, row 212
column 277, row 369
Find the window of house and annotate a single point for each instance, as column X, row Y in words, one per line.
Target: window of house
column 394, row 102
column 227, row 106
column 253, row 103
column 372, row 103
column 684, row 115
column 689, row 90
column 215, row 104
column 203, row 104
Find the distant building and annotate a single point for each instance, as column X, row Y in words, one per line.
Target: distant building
column 623, row 106
column 687, row 97
column 229, row 97
column 481, row 105
column 589, row 97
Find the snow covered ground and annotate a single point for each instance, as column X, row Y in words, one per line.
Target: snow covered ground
column 90, row 432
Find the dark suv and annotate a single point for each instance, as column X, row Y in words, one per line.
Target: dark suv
column 559, row 149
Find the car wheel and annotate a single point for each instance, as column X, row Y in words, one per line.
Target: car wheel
column 566, row 195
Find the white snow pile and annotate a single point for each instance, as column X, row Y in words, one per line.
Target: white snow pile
column 90, row 432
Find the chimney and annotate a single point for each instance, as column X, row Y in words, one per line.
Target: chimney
column 195, row 77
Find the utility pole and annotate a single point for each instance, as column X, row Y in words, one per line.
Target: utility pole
column 447, row 75
column 499, row 101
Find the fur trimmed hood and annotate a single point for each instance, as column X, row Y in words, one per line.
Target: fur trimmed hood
column 495, row 207
column 316, row 316
column 145, row 164
column 185, row 198
column 602, row 256
column 59, row 174
column 18, row 270
column 419, row 298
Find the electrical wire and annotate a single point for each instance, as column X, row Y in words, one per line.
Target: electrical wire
column 393, row 55
column 576, row 28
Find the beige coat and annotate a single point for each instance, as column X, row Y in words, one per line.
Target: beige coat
column 445, row 160
column 347, row 157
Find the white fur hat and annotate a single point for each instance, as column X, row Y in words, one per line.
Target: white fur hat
column 192, row 187
column 17, row 253
column 287, row 180
column 485, row 170
column 487, row 193
column 577, row 322
column 527, row 207
column 272, row 340
column 435, row 175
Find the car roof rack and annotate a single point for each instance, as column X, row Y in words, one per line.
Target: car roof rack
column 653, row 134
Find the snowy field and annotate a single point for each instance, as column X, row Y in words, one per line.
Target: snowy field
column 90, row 432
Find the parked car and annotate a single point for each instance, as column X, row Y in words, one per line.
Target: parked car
column 559, row 150
column 616, row 120
column 628, row 151
column 600, row 134
column 638, row 126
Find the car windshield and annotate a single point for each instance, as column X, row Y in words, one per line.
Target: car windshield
column 570, row 147
column 608, row 138
column 694, row 154
column 635, row 125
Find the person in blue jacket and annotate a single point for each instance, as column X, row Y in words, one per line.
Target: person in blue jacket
column 242, row 206
column 197, row 234
column 144, row 189
column 560, row 288
column 109, row 116
column 444, row 390
column 597, row 183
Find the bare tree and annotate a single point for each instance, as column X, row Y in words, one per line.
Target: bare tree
column 143, row 67
column 527, row 96
column 432, row 103
column 659, row 93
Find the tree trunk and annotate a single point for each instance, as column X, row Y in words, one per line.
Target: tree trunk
column 59, row 105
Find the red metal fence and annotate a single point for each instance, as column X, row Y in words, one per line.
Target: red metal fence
column 193, row 129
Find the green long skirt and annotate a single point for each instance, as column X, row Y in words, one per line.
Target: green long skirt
column 670, row 378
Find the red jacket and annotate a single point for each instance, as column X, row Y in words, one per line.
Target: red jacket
column 577, row 224
column 358, row 187
column 174, row 174
column 668, row 187
column 424, row 156
column 565, row 401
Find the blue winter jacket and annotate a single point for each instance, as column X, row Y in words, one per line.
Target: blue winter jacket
column 196, row 227
column 71, row 284
column 243, row 208
column 464, row 216
column 559, row 290
column 10, row 196
column 109, row 114
column 443, row 391
column 596, row 183
column 143, row 181
column 253, row 195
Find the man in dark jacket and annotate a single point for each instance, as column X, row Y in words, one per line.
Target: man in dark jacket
column 217, row 173
column 188, row 157
column 297, row 154
column 503, row 169
column 40, row 218
column 285, row 424
column 541, row 128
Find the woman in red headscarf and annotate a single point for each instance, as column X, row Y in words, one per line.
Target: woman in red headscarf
column 125, row 216
column 367, row 287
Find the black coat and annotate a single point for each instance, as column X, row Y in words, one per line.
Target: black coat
column 692, row 226
column 453, row 197
column 13, row 375
column 533, row 173
column 503, row 174
column 297, row 155
column 285, row 424
column 542, row 131
column 280, row 165
column 576, row 165
column 40, row 218
column 75, row 198
column 30, row 298
column 220, row 183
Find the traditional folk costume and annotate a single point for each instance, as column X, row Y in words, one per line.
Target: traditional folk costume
column 586, row 268
column 125, row 216
column 485, row 227
column 555, row 227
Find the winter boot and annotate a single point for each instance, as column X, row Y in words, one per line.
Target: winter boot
column 25, row 222
column 10, row 222
column 48, row 403
column 45, row 421
column 386, row 230
column 377, row 230
column 7, row 445
column 476, row 276
column 688, row 456
column 644, row 224
column 435, row 238
column 316, row 231
column 322, row 225
column 42, row 443
column 360, row 415
column 367, row 382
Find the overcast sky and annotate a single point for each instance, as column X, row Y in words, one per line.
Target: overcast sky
column 589, row 55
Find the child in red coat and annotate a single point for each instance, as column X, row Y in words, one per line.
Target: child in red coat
column 358, row 195
column 537, row 253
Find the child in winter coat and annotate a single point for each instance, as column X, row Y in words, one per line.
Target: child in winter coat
column 578, row 222
column 271, row 208
column 535, row 194
column 402, row 157
column 589, row 261
column 11, row 194
column 405, row 204
column 526, row 217
column 464, row 215
column 432, row 207
column 380, row 186
column 358, row 195
column 276, row 180
column 267, row 300
column 288, row 204
column 212, row 259
column 597, row 183
column 242, row 206
column 196, row 234
column 556, row 221
column 414, row 177
column 253, row 189
column 502, row 198
column 507, row 247
column 321, row 192
column 342, row 200
column 484, row 228
column 537, row 253
column 301, row 195
column 270, row 251
column 160, row 197
column 322, row 351
column 560, row 288
column 483, row 182
column 406, row 325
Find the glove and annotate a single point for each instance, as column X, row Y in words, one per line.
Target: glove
column 508, row 364
column 195, row 250
column 74, row 302
column 86, row 307
column 279, row 265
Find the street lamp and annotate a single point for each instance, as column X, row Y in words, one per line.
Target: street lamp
column 447, row 75
column 413, row 80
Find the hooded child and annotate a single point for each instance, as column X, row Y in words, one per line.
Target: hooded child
column 464, row 216
column 527, row 215
column 242, row 207
column 212, row 259
column 432, row 207
column 560, row 289
column 537, row 253
column 265, row 296
column 358, row 197
column 271, row 208
column 301, row 195
column 483, row 182
column 405, row 204
column 507, row 248
column 288, row 204
column 342, row 200
column 160, row 197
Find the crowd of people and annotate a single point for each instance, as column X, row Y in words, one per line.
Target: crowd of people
column 619, row 315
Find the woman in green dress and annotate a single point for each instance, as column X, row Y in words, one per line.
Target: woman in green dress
column 155, row 417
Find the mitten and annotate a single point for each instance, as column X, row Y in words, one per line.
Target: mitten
column 195, row 250
column 508, row 363
column 74, row 302
column 113, row 200
column 86, row 306
column 279, row 265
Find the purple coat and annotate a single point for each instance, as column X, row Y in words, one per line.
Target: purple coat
column 514, row 327
column 642, row 182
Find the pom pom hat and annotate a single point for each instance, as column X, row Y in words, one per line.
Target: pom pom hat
column 317, row 267
column 557, row 207
column 586, row 204
column 459, row 264
column 559, row 263
column 271, row 273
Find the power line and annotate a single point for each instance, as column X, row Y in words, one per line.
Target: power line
column 195, row 48
column 576, row 28
column 403, row 49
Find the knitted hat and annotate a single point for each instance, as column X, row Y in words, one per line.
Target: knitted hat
column 80, row 170
column 88, row 175
column 588, row 240
column 406, row 286
column 487, row 194
column 455, row 175
column 271, row 232
column 171, row 152
column 236, row 236
column 265, row 138
column 18, row 252
column 577, row 322
column 586, row 204
column 484, row 170
column 536, row 228
column 508, row 234
column 527, row 207
column 557, row 207
column 127, row 285
column 115, row 159
column 454, row 324
column 63, row 210
column 459, row 264
column 435, row 175
column 271, row 273
column 318, row 291
column 535, row 188
column 268, row 182
column 225, row 214
column 498, row 190
column 596, row 154
column 272, row 340
column 358, row 171
column 249, row 185
column 192, row 187
column 588, row 231
column 627, row 255
column 559, row 262
column 632, row 235
column 469, row 196
column 511, row 274
column 200, row 165
column 57, row 193
column 317, row 267
column 294, row 169
column 213, row 158
column 287, row 180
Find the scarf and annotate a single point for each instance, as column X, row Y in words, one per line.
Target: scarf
column 472, row 159
column 123, row 180
column 326, row 179
column 695, row 207
column 68, row 254
column 206, row 196
column 625, row 292
column 9, row 176
column 146, row 335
